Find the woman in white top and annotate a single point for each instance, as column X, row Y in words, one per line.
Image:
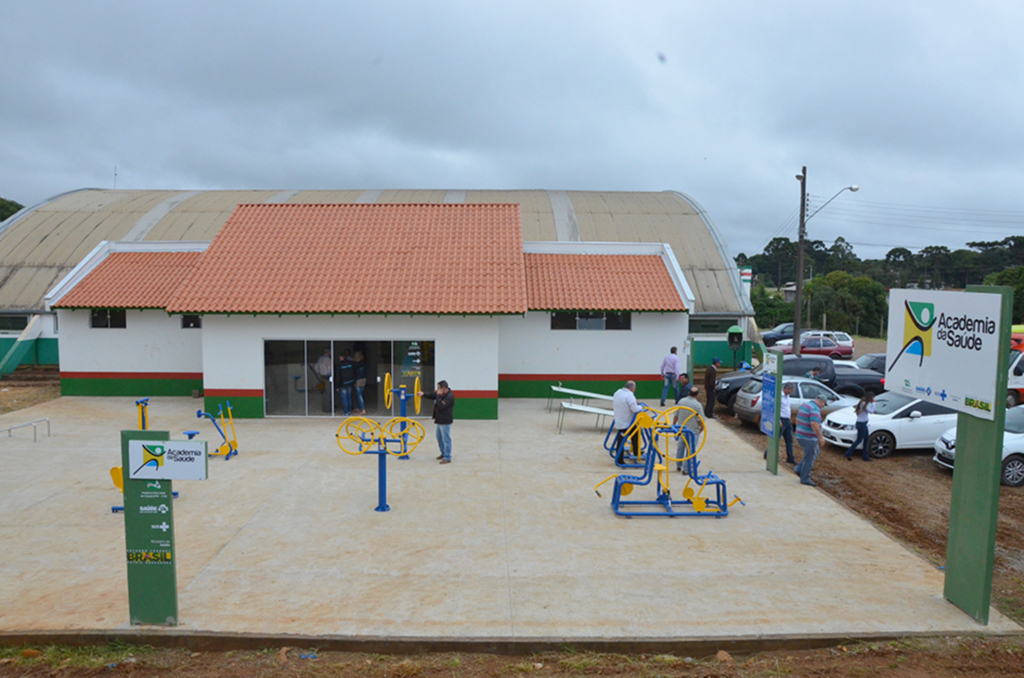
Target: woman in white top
column 863, row 408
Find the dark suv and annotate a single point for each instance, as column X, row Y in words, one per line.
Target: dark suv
column 783, row 331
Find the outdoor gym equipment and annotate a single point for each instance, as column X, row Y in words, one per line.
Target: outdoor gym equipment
column 397, row 437
column 229, row 447
column 403, row 398
column 655, row 427
column 116, row 473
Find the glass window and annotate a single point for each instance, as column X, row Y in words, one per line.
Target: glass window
column 720, row 326
column 590, row 320
column 190, row 322
column 14, row 323
column 753, row 386
column 108, row 317
column 285, row 385
column 928, row 409
column 562, row 320
column 889, row 402
column 617, row 320
column 828, row 343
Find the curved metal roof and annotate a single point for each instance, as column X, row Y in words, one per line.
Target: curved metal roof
column 41, row 244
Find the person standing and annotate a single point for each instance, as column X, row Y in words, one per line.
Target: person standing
column 444, row 408
column 360, row 361
column 863, row 408
column 682, row 386
column 786, row 421
column 693, row 423
column 808, row 434
column 670, row 374
column 710, row 380
column 345, row 379
column 624, row 408
column 324, row 368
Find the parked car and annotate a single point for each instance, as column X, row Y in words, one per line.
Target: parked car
column 729, row 385
column 781, row 331
column 748, row 400
column 872, row 361
column 1013, row 448
column 841, row 338
column 821, row 346
column 899, row 422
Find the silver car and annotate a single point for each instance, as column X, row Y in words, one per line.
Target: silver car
column 748, row 400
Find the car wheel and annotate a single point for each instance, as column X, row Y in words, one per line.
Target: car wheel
column 836, row 356
column 1012, row 399
column 881, row 444
column 732, row 404
column 1013, row 471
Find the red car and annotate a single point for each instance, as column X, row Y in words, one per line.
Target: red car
column 822, row 346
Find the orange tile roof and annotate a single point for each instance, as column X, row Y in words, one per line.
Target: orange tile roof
column 600, row 282
column 356, row 258
column 132, row 280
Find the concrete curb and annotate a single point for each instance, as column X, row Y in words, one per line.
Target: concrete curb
column 689, row 647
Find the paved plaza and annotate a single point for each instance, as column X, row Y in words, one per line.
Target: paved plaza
column 507, row 542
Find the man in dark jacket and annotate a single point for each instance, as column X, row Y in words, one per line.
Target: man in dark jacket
column 710, row 380
column 444, row 406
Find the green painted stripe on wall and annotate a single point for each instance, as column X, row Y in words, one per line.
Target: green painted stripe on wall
column 242, row 407
column 542, row 388
column 140, row 388
column 475, row 408
column 47, row 352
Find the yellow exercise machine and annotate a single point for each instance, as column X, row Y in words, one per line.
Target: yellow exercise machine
column 398, row 437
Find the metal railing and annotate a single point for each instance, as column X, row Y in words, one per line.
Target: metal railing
column 35, row 428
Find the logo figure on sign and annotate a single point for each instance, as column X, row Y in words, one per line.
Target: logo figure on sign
column 917, row 331
column 152, row 455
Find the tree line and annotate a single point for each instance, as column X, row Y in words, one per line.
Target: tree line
column 850, row 294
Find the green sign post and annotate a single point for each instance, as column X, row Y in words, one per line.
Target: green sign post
column 149, row 542
column 974, row 509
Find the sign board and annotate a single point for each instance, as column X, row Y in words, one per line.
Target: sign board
column 149, row 540
column 943, row 348
column 771, row 363
column 167, row 460
column 768, row 405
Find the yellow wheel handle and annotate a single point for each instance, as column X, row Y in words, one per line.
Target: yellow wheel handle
column 664, row 421
column 361, row 431
column 408, row 440
column 417, row 400
column 387, row 390
column 627, row 488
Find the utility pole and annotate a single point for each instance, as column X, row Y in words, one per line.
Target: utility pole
column 798, row 316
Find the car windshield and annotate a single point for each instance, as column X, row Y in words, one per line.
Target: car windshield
column 752, row 386
column 865, row 361
column 1015, row 420
column 782, row 327
column 889, row 402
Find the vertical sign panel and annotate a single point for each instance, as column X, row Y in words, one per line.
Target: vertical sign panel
column 149, row 541
column 771, row 406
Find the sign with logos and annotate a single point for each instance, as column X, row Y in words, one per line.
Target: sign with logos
column 149, row 538
column 943, row 348
column 768, row 404
column 167, row 460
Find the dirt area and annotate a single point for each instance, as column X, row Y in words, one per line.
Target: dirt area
column 908, row 495
column 16, row 397
column 941, row 657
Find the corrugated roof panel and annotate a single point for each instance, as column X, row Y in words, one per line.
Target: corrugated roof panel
column 324, row 197
column 36, row 282
column 431, row 197
column 175, row 226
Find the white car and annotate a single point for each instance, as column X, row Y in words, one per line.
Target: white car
column 748, row 400
column 899, row 423
column 1013, row 448
column 841, row 338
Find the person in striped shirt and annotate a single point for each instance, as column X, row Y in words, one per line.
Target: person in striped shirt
column 808, row 434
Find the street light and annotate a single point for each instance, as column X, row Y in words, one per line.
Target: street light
column 798, row 316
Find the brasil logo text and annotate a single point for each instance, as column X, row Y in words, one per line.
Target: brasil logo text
column 918, row 319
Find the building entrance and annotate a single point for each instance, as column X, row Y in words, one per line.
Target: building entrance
column 334, row 378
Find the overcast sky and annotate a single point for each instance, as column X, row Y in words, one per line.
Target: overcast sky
column 918, row 103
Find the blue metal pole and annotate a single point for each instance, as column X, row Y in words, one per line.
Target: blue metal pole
column 382, row 482
column 403, row 397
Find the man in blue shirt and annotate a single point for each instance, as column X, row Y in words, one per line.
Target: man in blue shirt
column 808, row 434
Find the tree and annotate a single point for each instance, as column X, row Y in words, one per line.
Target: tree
column 840, row 256
column 853, row 304
column 769, row 310
column 1011, row 277
column 935, row 260
column 7, row 208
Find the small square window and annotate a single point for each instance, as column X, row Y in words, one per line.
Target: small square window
column 590, row 320
column 101, row 318
column 191, row 322
column 617, row 320
column 563, row 320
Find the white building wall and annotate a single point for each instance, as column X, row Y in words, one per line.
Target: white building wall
column 152, row 341
column 465, row 349
column 530, row 346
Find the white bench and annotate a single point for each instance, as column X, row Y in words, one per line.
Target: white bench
column 600, row 412
column 584, row 396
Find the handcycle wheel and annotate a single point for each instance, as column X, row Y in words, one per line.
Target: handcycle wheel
column 664, row 421
column 387, row 390
column 417, row 400
column 359, row 430
column 408, row 439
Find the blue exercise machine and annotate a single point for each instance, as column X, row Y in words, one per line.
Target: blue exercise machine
column 397, row 437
